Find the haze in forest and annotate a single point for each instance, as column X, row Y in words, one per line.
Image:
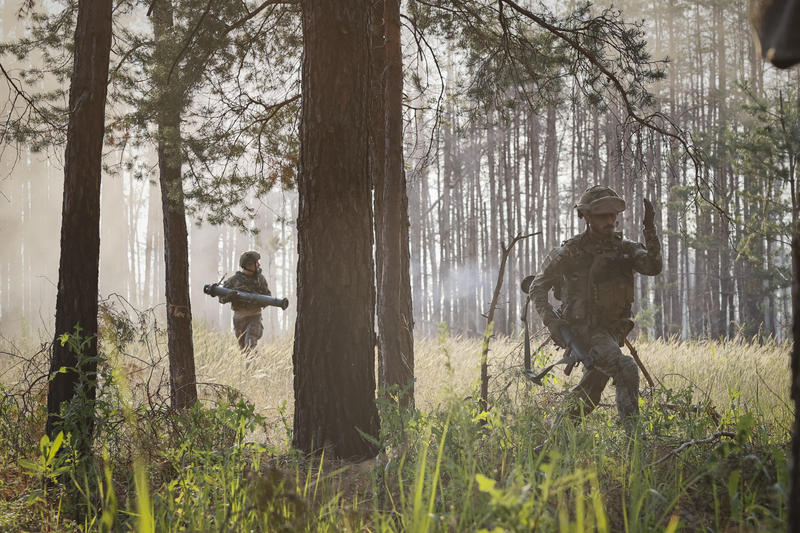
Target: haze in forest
column 485, row 178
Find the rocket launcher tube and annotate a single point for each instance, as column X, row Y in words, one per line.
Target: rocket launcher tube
column 261, row 300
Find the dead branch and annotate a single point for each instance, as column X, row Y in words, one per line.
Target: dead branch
column 487, row 335
column 686, row 445
column 636, row 358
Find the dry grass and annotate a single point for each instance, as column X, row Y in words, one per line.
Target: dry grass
column 486, row 470
column 752, row 376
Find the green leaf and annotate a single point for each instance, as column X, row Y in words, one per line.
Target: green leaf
column 487, row 485
column 733, row 484
column 55, row 446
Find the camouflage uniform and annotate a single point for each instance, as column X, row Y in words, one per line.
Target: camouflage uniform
column 593, row 278
column 246, row 317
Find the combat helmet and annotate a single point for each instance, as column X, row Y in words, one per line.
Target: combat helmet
column 599, row 200
column 249, row 258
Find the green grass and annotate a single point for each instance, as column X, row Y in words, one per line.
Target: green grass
column 711, row 452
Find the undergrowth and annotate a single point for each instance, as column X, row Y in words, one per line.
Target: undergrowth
column 710, row 452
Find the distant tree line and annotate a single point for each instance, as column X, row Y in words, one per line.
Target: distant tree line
column 512, row 167
column 482, row 169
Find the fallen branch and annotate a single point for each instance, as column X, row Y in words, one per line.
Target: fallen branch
column 686, row 445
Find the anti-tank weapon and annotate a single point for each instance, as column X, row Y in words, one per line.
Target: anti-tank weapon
column 262, row 300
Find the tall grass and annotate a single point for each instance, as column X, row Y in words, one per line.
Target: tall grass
column 710, row 452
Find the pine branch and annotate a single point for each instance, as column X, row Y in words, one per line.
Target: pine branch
column 646, row 121
column 31, row 104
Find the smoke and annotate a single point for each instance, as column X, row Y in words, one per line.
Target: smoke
column 131, row 248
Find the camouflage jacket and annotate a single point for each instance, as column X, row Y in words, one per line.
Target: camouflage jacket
column 242, row 282
column 593, row 279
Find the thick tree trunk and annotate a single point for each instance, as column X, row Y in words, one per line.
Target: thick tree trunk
column 334, row 349
column 183, row 383
column 395, row 319
column 76, row 303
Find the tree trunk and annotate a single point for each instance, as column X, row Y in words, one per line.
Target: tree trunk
column 334, row 348
column 723, row 229
column 183, row 383
column 151, row 261
column 794, row 483
column 377, row 135
column 418, row 269
column 395, row 319
column 76, row 303
column 446, row 248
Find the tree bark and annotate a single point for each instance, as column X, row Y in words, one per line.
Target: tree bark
column 395, row 314
column 76, row 302
column 334, row 348
column 183, row 383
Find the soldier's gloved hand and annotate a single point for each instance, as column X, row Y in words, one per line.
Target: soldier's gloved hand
column 554, row 326
column 649, row 220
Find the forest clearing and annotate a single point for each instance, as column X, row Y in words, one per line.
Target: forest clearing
column 713, row 451
column 399, row 265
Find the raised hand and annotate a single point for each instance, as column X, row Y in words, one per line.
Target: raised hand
column 649, row 220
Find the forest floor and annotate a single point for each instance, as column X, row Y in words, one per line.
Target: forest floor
column 711, row 451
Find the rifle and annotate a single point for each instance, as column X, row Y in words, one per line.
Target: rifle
column 574, row 354
column 261, row 300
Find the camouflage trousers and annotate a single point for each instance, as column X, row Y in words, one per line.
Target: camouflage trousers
column 609, row 362
column 248, row 329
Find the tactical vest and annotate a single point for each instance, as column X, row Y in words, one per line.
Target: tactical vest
column 253, row 284
column 596, row 286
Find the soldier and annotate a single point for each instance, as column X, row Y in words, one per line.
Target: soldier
column 592, row 275
column 247, row 317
